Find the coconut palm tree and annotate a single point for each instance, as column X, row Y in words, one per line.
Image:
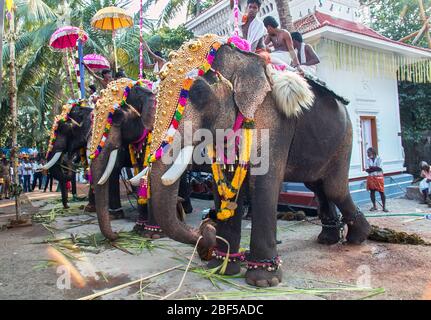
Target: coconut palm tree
column 286, row 21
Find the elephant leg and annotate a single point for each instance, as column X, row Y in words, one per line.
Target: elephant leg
column 73, row 182
column 263, row 243
column 184, row 192
column 91, row 205
column 358, row 226
column 327, row 214
column 149, row 223
column 230, row 230
column 115, row 209
column 64, row 195
column 142, row 219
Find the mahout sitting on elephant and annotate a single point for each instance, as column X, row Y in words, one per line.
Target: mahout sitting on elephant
column 307, row 142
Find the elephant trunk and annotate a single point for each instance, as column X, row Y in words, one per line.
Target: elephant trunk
column 101, row 193
column 163, row 207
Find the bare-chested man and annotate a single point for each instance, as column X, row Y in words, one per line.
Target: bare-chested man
column 104, row 80
column 306, row 54
column 284, row 52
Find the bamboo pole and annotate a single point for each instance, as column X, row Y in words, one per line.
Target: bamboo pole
column 411, row 35
column 102, row 293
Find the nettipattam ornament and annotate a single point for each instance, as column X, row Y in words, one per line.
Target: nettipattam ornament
column 194, row 58
column 110, row 100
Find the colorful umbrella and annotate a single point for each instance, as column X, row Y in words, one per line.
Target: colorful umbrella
column 112, row 18
column 96, row 61
column 67, row 37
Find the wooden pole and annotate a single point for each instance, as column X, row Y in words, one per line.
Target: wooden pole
column 422, row 31
column 404, row 39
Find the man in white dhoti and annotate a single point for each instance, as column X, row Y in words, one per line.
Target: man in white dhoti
column 306, row 54
column 251, row 26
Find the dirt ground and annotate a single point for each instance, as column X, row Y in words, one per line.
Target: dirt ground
column 31, row 269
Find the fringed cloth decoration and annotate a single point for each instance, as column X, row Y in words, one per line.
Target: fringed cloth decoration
column 376, row 63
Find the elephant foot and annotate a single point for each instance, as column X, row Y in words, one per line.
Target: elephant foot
column 232, row 268
column 90, row 208
column 329, row 236
column 358, row 229
column 263, row 278
column 152, row 235
column 152, row 232
column 138, row 228
column 116, row 215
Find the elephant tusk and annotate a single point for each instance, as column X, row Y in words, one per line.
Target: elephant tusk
column 109, row 167
column 180, row 165
column 53, row 161
column 136, row 180
column 74, row 122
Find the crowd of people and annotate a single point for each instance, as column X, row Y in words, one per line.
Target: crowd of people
column 30, row 176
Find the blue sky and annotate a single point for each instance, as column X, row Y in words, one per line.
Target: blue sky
column 156, row 9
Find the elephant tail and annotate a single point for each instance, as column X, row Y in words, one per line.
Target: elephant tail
column 291, row 92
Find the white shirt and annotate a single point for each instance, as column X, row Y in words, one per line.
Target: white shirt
column 27, row 169
column 36, row 167
column 377, row 162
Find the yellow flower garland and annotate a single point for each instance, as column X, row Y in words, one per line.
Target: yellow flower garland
column 144, row 200
column 226, row 191
column 133, row 159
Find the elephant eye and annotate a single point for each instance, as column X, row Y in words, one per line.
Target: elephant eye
column 201, row 94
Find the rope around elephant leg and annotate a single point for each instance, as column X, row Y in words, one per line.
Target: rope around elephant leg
column 190, row 262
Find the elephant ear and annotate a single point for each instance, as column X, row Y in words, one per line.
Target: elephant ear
column 250, row 86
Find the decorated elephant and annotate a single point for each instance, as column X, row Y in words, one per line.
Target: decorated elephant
column 68, row 143
column 309, row 140
column 123, row 119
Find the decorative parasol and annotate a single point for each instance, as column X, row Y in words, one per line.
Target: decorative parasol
column 112, row 19
column 65, row 39
column 96, row 61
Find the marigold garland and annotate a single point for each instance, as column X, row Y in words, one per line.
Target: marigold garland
column 229, row 191
column 144, row 187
